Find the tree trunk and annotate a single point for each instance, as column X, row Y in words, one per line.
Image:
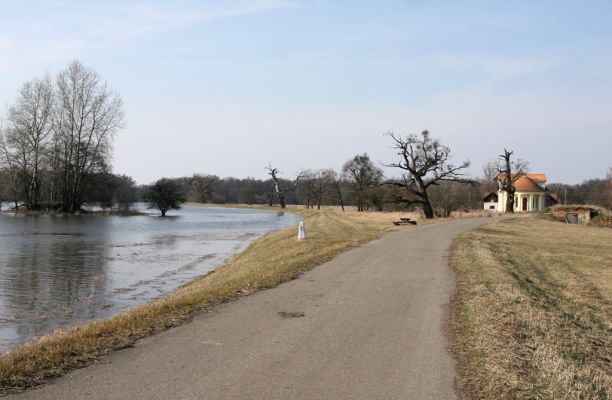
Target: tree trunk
column 427, row 209
column 282, row 201
column 339, row 192
column 510, row 201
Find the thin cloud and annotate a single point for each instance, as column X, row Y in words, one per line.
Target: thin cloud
column 140, row 21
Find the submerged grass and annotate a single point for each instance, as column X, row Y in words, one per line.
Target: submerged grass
column 532, row 317
column 267, row 262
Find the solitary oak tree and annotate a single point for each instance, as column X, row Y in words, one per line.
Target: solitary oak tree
column 424, row 162
column 165, row 195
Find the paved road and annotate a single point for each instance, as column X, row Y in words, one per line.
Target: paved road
column 367, row 325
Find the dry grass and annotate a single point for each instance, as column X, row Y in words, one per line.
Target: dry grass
column 258, row 267
column 372, row 216
column 532, row 317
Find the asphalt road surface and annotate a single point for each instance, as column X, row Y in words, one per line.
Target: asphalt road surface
column 370, row 324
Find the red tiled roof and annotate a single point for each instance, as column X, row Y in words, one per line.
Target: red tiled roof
column 526, row 184
column 537, row 177
column 534, row 177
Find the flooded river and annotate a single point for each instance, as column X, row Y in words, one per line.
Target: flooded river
column 56, row 271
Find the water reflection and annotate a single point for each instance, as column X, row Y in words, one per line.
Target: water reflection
column 58, row 271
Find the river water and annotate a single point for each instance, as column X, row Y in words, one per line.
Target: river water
column 57, row 271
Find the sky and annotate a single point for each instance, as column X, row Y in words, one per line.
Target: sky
column 226, row 87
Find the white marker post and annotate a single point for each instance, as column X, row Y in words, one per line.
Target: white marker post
column 302, row 231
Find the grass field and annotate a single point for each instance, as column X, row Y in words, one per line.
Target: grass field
column 532, row 316
column 267, row 262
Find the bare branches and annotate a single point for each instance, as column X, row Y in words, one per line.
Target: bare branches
column 280, row 186
column 59, row 134
column 426, row 162
column 203, row 185
column 509, row 172
column 315, row 186
column 88, row 115
column 28, row 135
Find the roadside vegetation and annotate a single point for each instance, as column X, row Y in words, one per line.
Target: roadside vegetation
column 532, row 317
column 267, row 262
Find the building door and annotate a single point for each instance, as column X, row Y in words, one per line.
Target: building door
column 525, row 200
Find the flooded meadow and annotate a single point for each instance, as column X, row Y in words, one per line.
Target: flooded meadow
column 57, row 271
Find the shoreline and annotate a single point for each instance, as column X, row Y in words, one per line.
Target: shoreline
column 119, row 263
column 251, row 270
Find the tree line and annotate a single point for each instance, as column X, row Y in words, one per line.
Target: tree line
column 56, row 141
column 429, row 182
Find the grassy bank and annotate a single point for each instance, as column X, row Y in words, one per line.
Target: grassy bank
column 267, row 262
column 532, row 317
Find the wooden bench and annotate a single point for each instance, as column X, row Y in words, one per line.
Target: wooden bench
column 404, row 221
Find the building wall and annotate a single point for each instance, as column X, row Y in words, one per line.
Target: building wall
column 533, row 205
column 491, row 205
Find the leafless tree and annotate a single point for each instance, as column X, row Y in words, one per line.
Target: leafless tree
column 10, row 171
column 424, row 162
column 305, row 188
column 448, row 197
column 28, row 133
column 336, row 182
column 279, row 185
column 488, row 183
column 315, row 186
column 364, row 177
column 203, row 185
column 508, row 172
column 87, row 116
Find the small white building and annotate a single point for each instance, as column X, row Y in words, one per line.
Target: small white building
column 490, row 201
column 531, row 195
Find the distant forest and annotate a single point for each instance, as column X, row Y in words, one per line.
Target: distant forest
column 313, row 189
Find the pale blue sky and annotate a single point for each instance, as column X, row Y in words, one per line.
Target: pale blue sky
column 225, row 87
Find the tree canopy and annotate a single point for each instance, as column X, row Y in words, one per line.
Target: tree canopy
column 424, row 162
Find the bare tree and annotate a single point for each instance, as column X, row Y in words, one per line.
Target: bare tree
column 88, row 114
column 448, row 197
column 315, row 186
column 508, row 172
column 10, row 170
column 364, row 177
column 488, row 182
column 424, row 162
column 203, row 185
column 305, row 188
column 337, row 183
column 280, row 186
column 28, row 132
